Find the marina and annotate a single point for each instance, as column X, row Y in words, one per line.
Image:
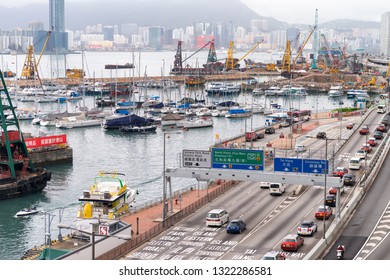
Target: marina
column 133, row 154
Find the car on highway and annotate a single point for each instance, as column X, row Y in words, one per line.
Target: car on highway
column 385, row 120
column 269, row 130
column 378, row 135
column 217, row 217
column 349, row 180
column 361, row 154
column 381, row 128
column 330, row 200
column 276, row 189
column 333, row 190
column 264, row 185
column 299, row 148
column 340, row 171
column 364, row 130
column 273, row 256
column 260, row 135
column 291, row 242
column 355, row 163
column 321, row 212
column 350, row 125
column 321, row 135
column 372, row 141
column 307, row 228
column 236, row 226
column 366, row 147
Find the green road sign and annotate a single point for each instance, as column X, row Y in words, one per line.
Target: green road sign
column 238, row 159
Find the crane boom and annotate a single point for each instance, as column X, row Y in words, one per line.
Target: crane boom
column 208, row 43
column 248, row 52
column 303, row 45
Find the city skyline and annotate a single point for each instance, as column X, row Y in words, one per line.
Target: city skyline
column 303, row 10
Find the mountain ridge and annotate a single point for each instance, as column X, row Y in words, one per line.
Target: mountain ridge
column 173, row 14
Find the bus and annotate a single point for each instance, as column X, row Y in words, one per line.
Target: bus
column 300, row 115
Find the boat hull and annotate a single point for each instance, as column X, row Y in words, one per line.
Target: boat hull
column 30, row 183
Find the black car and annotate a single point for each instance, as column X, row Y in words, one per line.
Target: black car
column 321, row 135
column 349, row 179
column 270, row 130
column 330, row 200
column 378, row 135
column 260, row 135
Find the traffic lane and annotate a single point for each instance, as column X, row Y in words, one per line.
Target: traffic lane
column 191, row 239
column 366, row 216
column 381, row 252
column 268, row 236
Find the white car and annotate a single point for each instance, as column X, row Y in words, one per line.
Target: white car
column 264, row 185
column 307, row 228
column 361, row 154
column 300, row 148
column 217, row 217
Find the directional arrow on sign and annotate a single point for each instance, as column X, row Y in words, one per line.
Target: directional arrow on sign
column 286, row 169
column 251, row 167
column 224, row 166
column 315, row 171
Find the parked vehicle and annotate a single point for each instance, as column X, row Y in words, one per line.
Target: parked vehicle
column 321, row 212
column 276, row 189
column 292, row 242
column 217, row 217
column 307, row 228
column 236, row 226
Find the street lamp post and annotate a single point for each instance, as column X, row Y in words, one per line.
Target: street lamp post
column 165, row 210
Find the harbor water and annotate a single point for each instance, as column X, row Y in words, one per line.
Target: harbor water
column 138, row 156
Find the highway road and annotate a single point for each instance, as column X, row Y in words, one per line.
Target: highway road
column 269, row 218
column 366, row 234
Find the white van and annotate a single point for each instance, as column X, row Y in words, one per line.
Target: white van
column 217, row 217
column 299, row 148
column 355, row 163
column 276, row 188
column 381, row 109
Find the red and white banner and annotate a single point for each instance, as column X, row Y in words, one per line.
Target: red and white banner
column 45, row 141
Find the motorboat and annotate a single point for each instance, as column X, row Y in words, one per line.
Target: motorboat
column 27, row 212
column 196, row 123
column 107, row 199
column 272, row 91
column 238, row 113
column 335, row 91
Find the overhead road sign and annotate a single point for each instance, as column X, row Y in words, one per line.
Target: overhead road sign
column 288, row 164
column 315, row 166
column 196, row 158
column 238, row 159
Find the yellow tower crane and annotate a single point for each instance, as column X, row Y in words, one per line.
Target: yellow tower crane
column 30, row 66
column 229, row 65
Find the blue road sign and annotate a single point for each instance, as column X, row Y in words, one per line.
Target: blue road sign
column 316, row 166
column 237, row 159
column 288, row 164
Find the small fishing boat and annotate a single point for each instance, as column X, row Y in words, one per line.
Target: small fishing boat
column 27, row 211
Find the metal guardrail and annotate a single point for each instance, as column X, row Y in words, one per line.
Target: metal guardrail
column 140, row 239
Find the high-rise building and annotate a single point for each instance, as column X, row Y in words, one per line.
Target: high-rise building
column 57, row 15
column 385, row 34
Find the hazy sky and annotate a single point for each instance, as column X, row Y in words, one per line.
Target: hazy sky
column 291, row 11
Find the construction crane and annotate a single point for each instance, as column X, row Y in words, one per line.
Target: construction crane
column 229, row 64
column 302, row 47
column 286, row 60
column 30, row 66
column 248, row 52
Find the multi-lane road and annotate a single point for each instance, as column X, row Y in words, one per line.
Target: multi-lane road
column 270, row 218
